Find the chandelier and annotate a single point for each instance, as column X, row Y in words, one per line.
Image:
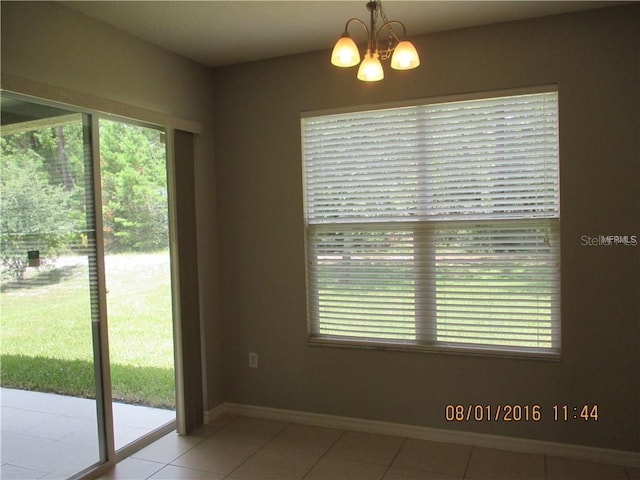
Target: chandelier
column 402, row 52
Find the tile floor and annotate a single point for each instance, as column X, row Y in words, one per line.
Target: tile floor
column 242, row 448
column 45, row 436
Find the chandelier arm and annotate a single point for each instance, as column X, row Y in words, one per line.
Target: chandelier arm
column 364, row 25
column 388, row 25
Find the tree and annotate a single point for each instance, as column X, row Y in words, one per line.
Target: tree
column 33, row 213
column 43, row 197
column 134, row 188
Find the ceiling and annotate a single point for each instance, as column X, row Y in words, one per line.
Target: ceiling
column 217, row 33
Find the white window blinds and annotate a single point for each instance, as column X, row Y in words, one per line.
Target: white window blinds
column 436, row 225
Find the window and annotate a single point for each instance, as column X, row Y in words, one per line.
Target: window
column 435, row 226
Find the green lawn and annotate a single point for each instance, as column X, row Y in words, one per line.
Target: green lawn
column 46, row 330
column 493, row 312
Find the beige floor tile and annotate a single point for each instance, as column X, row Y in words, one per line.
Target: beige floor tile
column 172, row 472
column 489, row 464
column 255, row 425
column 217, row 455
column 304, row 439
column 223, row 420
column 568, row 469
column 168, row 448
column 436, row 457
column 404, row 474
column 68, row 455
column 244, row 435
column 339, row 469
column 243, row 448
column 204, row 431
column 275, row 464
column 366, row 448
column 132, row 469
column 19, row 473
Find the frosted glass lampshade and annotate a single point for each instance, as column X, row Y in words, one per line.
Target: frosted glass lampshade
column 370, row 69
column 405, row 56
column 345, row 52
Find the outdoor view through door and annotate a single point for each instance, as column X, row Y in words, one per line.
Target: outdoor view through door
column 138, row 274
column 57, row 416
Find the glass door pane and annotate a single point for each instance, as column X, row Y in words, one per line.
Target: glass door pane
column 138, row 276
column 48, row 292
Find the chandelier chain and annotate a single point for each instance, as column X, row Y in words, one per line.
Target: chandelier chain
column 392, row 38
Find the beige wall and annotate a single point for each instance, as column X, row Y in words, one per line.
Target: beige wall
column 593, row 58
column 48, row 43
column 254, row 193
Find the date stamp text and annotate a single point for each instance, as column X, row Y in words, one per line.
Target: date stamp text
column 519, row 412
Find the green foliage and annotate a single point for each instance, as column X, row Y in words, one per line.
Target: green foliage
column 134, row 385
column 47, row 332
column 134, row 188
column 45, row 189
column 43, row 197
column 34, row 212
column 44, row 374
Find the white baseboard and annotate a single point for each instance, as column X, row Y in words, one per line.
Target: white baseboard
column 210, row 415
column 555, row 449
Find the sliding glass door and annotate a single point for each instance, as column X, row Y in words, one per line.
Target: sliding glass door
column 138, row 275
column 49, row 293
column 85, row 289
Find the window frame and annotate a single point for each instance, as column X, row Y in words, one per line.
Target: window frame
column 425, row 337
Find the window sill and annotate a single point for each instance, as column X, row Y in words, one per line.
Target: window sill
column 333, row 342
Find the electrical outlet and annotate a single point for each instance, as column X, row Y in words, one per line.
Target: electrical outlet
column 253, row 360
